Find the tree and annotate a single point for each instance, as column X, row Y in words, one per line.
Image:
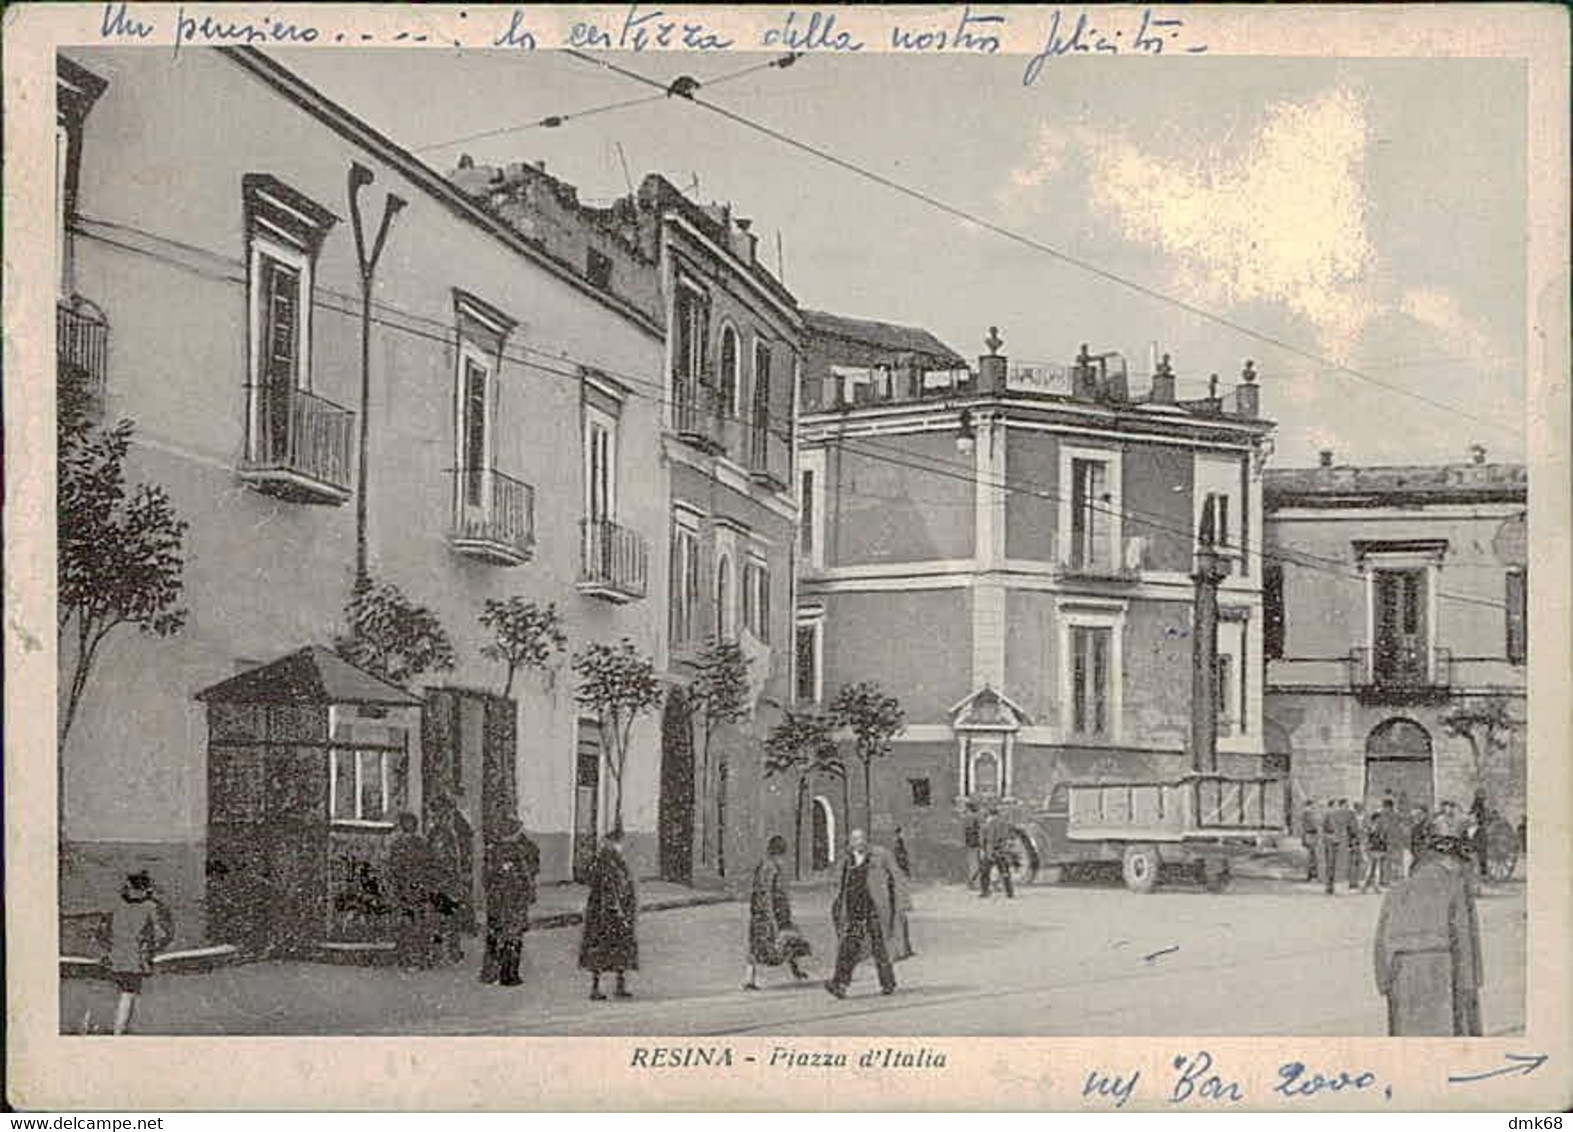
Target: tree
column 1486, row 725
column 392, row 637
column 527, row 635
column 619, row 684
column 718, row 695
column 120, row 548
column 802, row 744
column 873, row 718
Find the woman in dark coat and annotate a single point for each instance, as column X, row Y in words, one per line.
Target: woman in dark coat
column 609, row 942
column 773, row 939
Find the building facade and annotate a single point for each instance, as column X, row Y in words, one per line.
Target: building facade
column 1396, row 603
column 1008, row 551
column 211, row 292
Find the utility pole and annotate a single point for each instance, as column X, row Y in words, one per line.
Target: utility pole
column 360, row 177
column 1211, row 569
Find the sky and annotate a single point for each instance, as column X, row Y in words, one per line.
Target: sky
column 1368, row 212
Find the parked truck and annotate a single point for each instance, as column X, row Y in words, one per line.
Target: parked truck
column 1200, row 822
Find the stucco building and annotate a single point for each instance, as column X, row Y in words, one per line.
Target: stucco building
column 728, row 386
column 1008, row 550
column 1396, row 598
column 211, row 292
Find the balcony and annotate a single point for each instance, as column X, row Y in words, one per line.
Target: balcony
column 1400, row 674
column 82, row 349
column 769, row 457
column 300, row 448
column 698, row 417
column 1104, row 567
column 495, row 518
column 615, row 564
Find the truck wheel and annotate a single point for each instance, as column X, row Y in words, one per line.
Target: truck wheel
column 1215, row 875
column 1140, row 868
column 1024, row 859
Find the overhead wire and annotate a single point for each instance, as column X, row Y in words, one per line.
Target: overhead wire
column 932, row 201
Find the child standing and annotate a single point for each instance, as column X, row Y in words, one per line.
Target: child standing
column 139, row 928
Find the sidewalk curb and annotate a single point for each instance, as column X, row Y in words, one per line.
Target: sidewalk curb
column 203, row 960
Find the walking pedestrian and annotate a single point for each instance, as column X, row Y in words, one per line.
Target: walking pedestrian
column 995, row 847
column 1310, row 834
column 1394, row 835
column 1374, row 849
column 1334, row 843
column 453, row 860
column 139, row 928
column 1358, row 833
column 1481, row 815
column 972, row 839
column 1427, row 950
column 611, row 911
column 903, row 859
column 411, row 883
column 512, row 863
column 773, row 938
column 869, row 912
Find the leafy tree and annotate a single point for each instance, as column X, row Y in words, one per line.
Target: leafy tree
column 619, row 684
column 718, row 695
column 120, row 547
column 392, row 637
column 803, row 745
column 1486, row 725
column 873, row 718
column 526, row 635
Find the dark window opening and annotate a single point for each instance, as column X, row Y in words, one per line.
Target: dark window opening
column 921, row 793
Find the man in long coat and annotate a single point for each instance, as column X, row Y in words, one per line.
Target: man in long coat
column 870, row 914
column 609, row 942
column 452, row 844
column 1337, row 828
column 512, row 863
column 1427, row 951
column 1310, row 833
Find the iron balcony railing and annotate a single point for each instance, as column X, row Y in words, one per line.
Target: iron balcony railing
column 698, row 415
column 1400, row 670
column 302, row 447
column 769, row 455
column 495, row 518
column 615, row 563
column 82, row 348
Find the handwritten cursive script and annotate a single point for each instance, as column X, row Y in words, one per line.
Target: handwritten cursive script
column 1151, row 35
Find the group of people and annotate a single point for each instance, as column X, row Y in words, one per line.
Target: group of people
column 869, row 913
column 1372, row 849
column 987, row 837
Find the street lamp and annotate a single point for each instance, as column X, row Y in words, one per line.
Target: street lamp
column 360, row 177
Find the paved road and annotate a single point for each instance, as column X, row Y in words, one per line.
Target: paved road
column 1266, row 958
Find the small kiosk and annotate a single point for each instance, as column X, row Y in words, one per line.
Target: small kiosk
column 309, row 766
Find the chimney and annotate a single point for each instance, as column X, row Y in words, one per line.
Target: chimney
column 1325, row 458
column 1247, row 395
column 1477, row 453
column 1084, row 377
column 991, row 366
column 1162, row 381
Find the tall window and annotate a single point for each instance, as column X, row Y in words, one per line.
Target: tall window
column 756, row 599
column 364, row 785
column 806, row 512
column 690, row 322
column 730, row 363
column 811, row 507
column 761, row 384
column 474, row 451
column 1091, row 522
column 600, row 465
column 1090, row 680
column 1225, row 695
column 1223, row 533
column 1517, row 595
column 684, row 581
column 725, row 624
column 808, row 685
column 1400, row 653
column 285, row 231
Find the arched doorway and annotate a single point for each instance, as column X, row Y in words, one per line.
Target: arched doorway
column 822, row 839
column 675, row 815
column 1398, row 762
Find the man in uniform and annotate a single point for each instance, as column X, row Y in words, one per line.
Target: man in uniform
column 1334, row 843
column 995, row 840
column 1310, row 833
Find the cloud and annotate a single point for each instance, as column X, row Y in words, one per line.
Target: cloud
column 1439, row 312
column 1280, row 222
